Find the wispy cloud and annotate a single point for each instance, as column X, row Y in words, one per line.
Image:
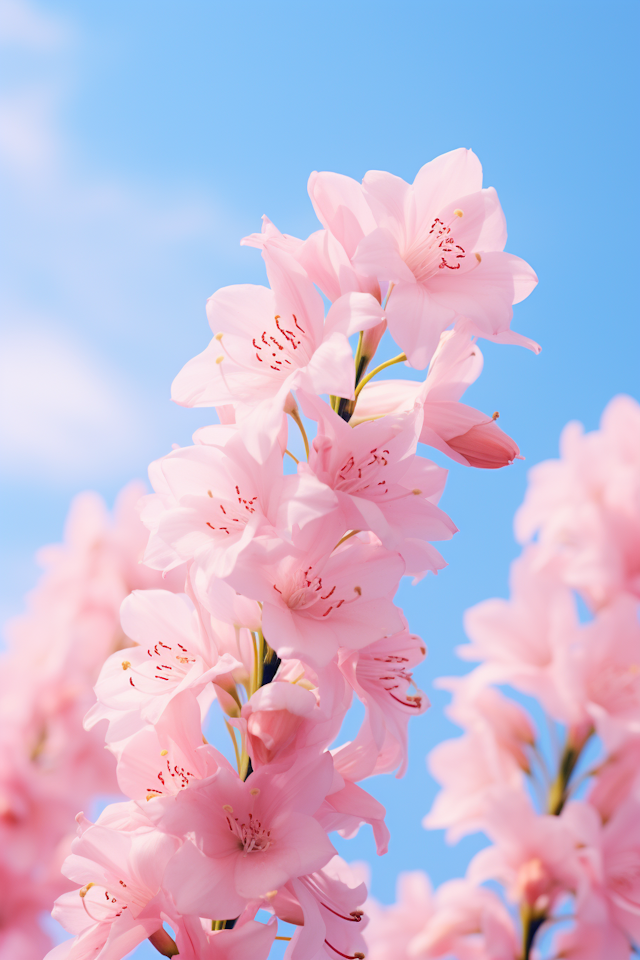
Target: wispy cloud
column 22, row 24
column 66, row 415
column 92, row 261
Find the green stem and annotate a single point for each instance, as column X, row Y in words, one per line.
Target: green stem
column 381, row 366
column 531, row 923
column 295, row 416
column 559, row 789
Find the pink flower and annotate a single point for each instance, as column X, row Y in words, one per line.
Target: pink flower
column 314, row 603
column 439, row 241
column 269, row 341
column 617, row 777
column 380, row 483
column 380, row 675
column 460, row 920
column 120, row 903
column 392, row 929
column 534, row 856
column 163, row 759
column 610, row 854
column 521, row 639
column 175, row 651
column 585, row 507
column 249, row 837
column 326, row 907
column 468, row 922
column 594, row 935
column 463, row 433
column 213, row 502
column 475, row 768
column 248, row 940
column 274, row 715
column 599, row 673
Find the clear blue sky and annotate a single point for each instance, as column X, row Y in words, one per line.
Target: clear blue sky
column 143, row 139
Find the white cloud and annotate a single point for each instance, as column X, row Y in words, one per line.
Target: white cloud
column 29, row 143
column 24, row 25
column 64, row 414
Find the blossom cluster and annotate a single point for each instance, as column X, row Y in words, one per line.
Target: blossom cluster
column 48, row 764
column 565, row 835
column 289, row 568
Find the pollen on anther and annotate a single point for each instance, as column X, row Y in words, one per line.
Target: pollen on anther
column 495, row 416
column 416, row 492
column 271, row 894
column 478, row 257
column 126, row 664
column 458, row 213
column 227, row 807
column 83, row 891
column 254, row 792
column 218, row 336
column 220, row 358
column 163, row 753
column 358, row 590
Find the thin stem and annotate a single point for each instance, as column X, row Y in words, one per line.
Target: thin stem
column 289, row 454
column 359, row 355
column 232, row 734
column 381, row 366
column 295, row 416
column 558, row 793
column 531, row 923
column 351, row 533
column 386, row 299
column 254, row 671
column 260, row 660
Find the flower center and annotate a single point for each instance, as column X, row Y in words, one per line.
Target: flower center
column 102, row 904
column 391, row 674
column 252, row 836
column 278, row 349
column 366, row 474
column 230, row 512
column 436, row 251
column 169, row 662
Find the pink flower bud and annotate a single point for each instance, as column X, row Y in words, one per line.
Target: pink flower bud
column 487, row 446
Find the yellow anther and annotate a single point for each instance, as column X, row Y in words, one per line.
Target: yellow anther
column 358, row 590
column 152, row 796
column 220, row 358
column 416, row 492
column 478, row 257
column 126, row 664
column 218, row 336
column 163, row 753
column 83, row 891
column 495, row 416
column 254, row 792
column 271, row 894
column 210, row 494
column 227, row 807
column 458, row 213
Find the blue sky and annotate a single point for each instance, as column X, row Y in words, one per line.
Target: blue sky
column 141, row 140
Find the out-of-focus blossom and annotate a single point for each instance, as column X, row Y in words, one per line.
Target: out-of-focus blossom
column 585, row 507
